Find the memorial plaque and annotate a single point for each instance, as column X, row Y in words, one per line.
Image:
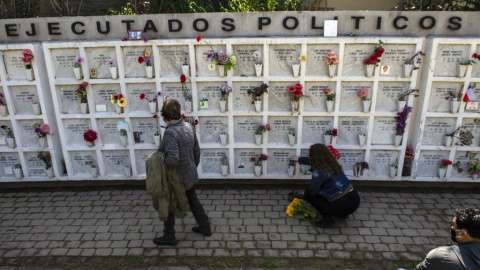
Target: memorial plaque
column 211, row 92
column 134, row 91
column 172, row 58
column 133, row 69
column 144, row 129
column 63, row 61
column 108, row 132
column 316, row 55
column 202, row 62
column 278, row 96
column 68, row 99
column 435, row 130
column 211, row 127
column 447, row 58
column 81, row 162
column 349, row 128
column 174, row 90
column 473, row 125
column 353, row 57
column 348, row 158
column 115, row 161
column 460, row 163
column 241, row 99
column 437, row 101
column 314, row 128
column 281, row 58
column 280, row 126
column 21, row 103
column 27, row 133
column 244, row 128
column 14, row 66
column 349, row 101
column 140, row 159
column 278, row 160
column 102, row 95
column 99, row 58
column 74, row 129
column 242, row 163
column 211, row 160
column 429, row 162
column 36, row 166
column 315, row 99
column 8, row 160
column 383, row 130
column 395, row 56
column 381, row 161
column 388, row 94
column 246, row 61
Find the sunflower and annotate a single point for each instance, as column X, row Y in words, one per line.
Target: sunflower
column 122, row 102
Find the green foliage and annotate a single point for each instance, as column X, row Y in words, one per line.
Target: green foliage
column 126, row 10
column 18, row 9
column 262, row 5
column 439, row 5
column 164, row 6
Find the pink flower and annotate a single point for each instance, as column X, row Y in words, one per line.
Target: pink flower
column 45, row 128
column 362, row 93
column 268, row 127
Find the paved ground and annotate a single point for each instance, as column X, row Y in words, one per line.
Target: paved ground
column 114, row 228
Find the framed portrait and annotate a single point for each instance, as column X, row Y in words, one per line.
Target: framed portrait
column 135, row 35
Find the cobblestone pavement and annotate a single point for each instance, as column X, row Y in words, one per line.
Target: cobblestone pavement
column 389, row 225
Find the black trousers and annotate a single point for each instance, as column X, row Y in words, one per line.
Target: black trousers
column 338, row 208
column 198, row 213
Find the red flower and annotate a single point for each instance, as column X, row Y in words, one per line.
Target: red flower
column 291, row 89
column 120, row 96
column 141, row 60
column 261, row 127
column 373, row 59
column 142, row 96
column 183, row 78
column 115, row 97
column 334, row 132
column 90, row 135
column 155, row 116
column 379, row 52
column 298, row 93
column 195, row 122
column 199, row 38
column 333, row 151
column 446, row 162
column 263, row 157
column 183, row 116
column 268, row 127
column 299, row 86
column 253, row 159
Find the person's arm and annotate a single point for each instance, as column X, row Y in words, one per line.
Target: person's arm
column 171, row 150
column 441, row 258
column 317, row 182
column 300, row 160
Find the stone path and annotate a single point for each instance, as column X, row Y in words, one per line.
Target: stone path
column 389, row 225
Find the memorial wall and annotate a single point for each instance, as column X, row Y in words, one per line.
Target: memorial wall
column 101, row 98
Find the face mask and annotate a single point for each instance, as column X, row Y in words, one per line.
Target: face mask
column 453, row 235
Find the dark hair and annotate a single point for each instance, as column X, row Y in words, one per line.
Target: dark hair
column 469, row 219
column 322, row 160
column 171, row 110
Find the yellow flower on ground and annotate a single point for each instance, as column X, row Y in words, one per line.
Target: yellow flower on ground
column 303, row 57
column 122, row 102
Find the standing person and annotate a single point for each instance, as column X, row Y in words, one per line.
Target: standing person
column 181, row 149
column 330, row 191
column 465, row 231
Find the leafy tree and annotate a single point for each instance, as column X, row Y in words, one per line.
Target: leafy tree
column 18, row 9
column 439, row 5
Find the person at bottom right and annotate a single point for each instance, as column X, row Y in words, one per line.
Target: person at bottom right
column 465, row 231
column 330, row 191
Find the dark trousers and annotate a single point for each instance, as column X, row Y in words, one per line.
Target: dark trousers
column 197, row 211
column 338, row 208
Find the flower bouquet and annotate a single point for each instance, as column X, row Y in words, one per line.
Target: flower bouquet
column 82, row 96
column 156, row 136
column 291, row 135
column 41, row 132
column 302, row 208
column 3, row 106
column 455, row 100
column 328, row 135
column 402, row 99
column 411, row 64
column 362, row 93
column 77, row 68
column 256, row 94
column 145, row 58
column 225, row 90
column 258, row 163
column 47, row 159
column 258, row 64
column 296, row 66
column 332, row 61
column 27, row 60
column 152, row 103
column 463, row 65
column 185, row 65
column 118, row 102
column 186, row 95
column 9, row 135
column 407, row 161
column 90, row 136
column 92, row 167
column 259, row 131
column 35, row 106
column 373, row 59
column 330, row 99
column 296, row 93
column 113, row 69
column 401, row 124
column 442, row 169
column 474, row 168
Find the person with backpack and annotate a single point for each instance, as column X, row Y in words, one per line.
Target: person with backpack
column 182, row 151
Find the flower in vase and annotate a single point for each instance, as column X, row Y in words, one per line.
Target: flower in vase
column 82, row 92
column 332, row 132
column 90, row 136
column 41, row 130
column 262, row 129
column 471, row 61
column 2, row 101
column 185, row 58
column 27, row 58
column 144, row 96
column 330, row 94
column 362, row 93
column 119, row 99
column 473, row 167
column 257, row 92
column 258, row 161
column 225, row 90
column 403, row 96
column 409, row 154
column 155, row 116
column 296, row 91
column 401, row 119
column 452, row 96
column 79, row 62
column 145, row 58
column 377, row 54
column 444, row 163
column 257, row 55
column 186, row 94
column 111, row 63
column 331, row 59
column 8, row 130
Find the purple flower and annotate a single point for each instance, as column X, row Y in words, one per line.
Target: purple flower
column 145, row 39
column 159, row 94
column 223, row 58
column 154, row 100
column 80, row 60
column 124, row 39
column 29, row 98
column 38, row 130
column 401, row 119
column 209, row 55
column 148, row 61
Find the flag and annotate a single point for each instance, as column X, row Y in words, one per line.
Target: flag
column 469, row 95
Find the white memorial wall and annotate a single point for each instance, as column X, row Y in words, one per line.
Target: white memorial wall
column 118, row 157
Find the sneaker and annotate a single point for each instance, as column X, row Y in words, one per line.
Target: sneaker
column 162, row 242
column 197, row 229
column 326, row 222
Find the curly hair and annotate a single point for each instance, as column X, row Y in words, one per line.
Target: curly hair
column 171, row 110
column 321, row 159
column 469, row 219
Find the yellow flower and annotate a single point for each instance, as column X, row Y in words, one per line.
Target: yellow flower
column 122, row 102
column 303, row 57
column 111, row 99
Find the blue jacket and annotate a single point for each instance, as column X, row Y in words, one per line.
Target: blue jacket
column 324, row 184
